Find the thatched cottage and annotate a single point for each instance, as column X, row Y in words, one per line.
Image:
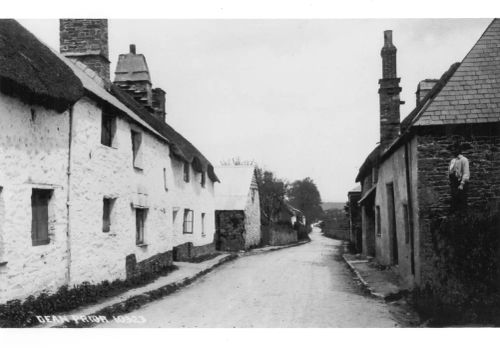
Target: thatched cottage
column 94, row 183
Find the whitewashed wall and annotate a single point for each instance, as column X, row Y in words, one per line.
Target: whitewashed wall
column 33, row 154
column 252, row 216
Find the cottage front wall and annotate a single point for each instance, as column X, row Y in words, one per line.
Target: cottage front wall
column 434, row 155
column 392, row 172
column 191, row 195
column 33, row 154
column 252, row 217
column 99, row 172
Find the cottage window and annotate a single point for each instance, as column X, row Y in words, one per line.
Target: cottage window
column 165, row 186
column 107, row 208
column 203, row 179
column 203, row 224
column 379, row 229
column 40, row 216
column 186, row 171
column 108, row 127
column 140, row 220
column 188, row 221
column 136, row 149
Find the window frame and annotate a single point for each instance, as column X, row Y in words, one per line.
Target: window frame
column 40, row 234
column 140, row 226
column 203, row 232
column 188, row 223
column 203, row 180
column 108, row 118
column 185, row 170
column 110, row 202
column 136, row 138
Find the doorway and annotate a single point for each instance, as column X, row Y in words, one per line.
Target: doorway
column 393, row 235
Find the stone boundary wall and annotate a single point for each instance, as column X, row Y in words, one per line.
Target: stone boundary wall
column 187, row 252
column 278, row 235
column 152, row 264
column 482, row 149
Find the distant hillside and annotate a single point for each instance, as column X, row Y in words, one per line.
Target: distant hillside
column 332, row 205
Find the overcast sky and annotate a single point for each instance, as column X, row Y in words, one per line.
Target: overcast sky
column 300, row 97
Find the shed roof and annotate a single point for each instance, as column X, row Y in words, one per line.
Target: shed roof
column 30, row 71
column 472, row 93
column 233, row 191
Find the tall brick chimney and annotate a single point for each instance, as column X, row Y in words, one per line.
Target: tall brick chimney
column 389, row 93
column 132, row 76
column 86, row 40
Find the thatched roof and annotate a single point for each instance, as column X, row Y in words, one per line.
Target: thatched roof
column 371, row 161
column 180, row 147
column 30, row 71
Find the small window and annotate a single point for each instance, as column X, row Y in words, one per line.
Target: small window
column 40, row 216
column 253, row 195
column 136, row 149
column 107, row 208
column 186, row 171
column 165, row 186
column 379, row 230
column 108, row 127
column 140, row 220
column 203, row 224
column 188, row 221
column 203, row 179
column 374, row 175
column 406, row 222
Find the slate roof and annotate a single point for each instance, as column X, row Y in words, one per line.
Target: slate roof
column 30, row 71
column 235, row 185
column 472, row 95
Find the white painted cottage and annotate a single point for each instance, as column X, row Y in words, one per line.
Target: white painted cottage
column 237, row 208
column 94, row 184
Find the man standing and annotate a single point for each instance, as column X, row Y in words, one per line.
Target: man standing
column 459, row 175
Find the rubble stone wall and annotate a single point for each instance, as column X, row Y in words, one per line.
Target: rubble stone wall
column 483, row 152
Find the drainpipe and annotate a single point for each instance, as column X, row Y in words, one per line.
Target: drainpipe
column 410, row 209
column 68, row 199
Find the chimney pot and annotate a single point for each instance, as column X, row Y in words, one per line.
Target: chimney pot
column 132, row 48
column 388, row 38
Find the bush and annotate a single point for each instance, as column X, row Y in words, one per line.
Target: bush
column 23, row 314
column 464, row 284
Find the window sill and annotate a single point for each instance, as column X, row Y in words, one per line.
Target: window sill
column 40, row 242
column 3, row 263
column 109, row 147
column 142, row 245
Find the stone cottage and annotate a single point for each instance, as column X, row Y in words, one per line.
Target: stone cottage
column 95, row 185
column 405, row 179
column 237, row 208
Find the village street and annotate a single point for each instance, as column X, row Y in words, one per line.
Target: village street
column 304, row 286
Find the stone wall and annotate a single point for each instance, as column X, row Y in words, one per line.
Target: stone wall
column 151, row 265
column 33, row 154
column 434, row 155
column 187, row 252
column 336, row 224
column 252, row 216
column 277, row 234
column 231, row 226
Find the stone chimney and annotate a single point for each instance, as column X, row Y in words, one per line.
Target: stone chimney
column 132, row 76
column 86, row 40
column 389, row 93
column 159, row 103
column 424, row 87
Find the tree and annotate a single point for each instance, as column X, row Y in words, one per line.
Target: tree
column 304, row 195
column 272, row 195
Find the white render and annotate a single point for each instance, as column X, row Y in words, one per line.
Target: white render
column 239, row 191
column 34, row 152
